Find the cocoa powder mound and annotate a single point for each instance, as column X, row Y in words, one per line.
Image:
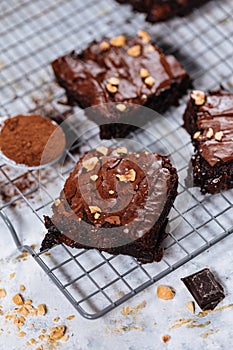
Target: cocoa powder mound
column 31, row 140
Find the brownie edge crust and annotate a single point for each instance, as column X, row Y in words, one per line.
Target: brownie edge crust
column 115, row 201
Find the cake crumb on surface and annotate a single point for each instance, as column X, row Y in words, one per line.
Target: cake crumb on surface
column 166, row 338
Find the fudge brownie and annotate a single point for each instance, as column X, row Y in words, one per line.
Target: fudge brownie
column 117, row 76
column 161, row 10
column 115, row 201
column 209, row 120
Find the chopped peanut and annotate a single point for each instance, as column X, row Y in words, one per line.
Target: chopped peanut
column 2, row 293
column 102, row 149
column 90, row 163
column 210, row 133
column 41, row 309
column 118, row 41
column 165, row 292
column 198, row 97
column 196, row 135
column 190, row 306
column 18, row 299
column 134, row 51
column 144, row 35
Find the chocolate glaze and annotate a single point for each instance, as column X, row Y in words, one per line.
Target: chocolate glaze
column 85, row 76
column 131, row 214
column 161, row 10
column 213, row 159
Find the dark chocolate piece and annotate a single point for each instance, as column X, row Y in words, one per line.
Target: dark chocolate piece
column 120, row 72
column 162, row 10
column 205, row 289
column 115, row 201
column 209, row 120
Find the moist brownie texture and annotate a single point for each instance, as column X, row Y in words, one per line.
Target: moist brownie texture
column 115, row 201
column 115, row 73
column 161, row 10
column 209, row 120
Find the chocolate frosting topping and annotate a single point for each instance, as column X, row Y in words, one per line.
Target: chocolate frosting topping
column 215, row 123
column 85, row 76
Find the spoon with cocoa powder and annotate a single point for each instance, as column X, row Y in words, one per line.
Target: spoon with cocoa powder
column 31, row 141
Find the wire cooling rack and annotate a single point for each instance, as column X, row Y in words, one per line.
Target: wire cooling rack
column 33, row 33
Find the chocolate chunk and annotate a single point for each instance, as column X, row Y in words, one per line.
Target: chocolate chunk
column 204, row 288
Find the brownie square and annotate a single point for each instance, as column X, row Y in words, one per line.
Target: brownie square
column 209, row 120
column 162, row 10
column 115, row 201
column 117, row 76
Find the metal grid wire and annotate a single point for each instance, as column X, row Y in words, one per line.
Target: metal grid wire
column 33, row 33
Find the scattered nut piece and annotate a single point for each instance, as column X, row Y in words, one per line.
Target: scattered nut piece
column 28, row 302
column 18, row 299
column 90, row 163
column 122, row 150
column 21, row 334
column 113, row 81
column 22, row 288
column 2, row 293
column 209, row 133
column 102, row 149
column 104, row 46
column 111, row 192
column 41, row 309
column 12, row 275
column 198, row 97
column 94, row 177
column 118, row 41
column 111, row 88
column 19, row 321
column 130, row 175
column 165, row 292
column 96, row 216
column 149, row 49
column 64, row 338
column 33, row 341
column 115, row 220
column 144, row 73
column 144, row 97
column 166, row 338
column 24, row 311
column 149, row 81
column 121, row 107
column 70, row 317
column 57, row 333
column 196, row 135
column 56, row 319
column 134, row 51
column 190, row 306
column 57, row 202
column 94, row 209
column 145, row 36
column 218, row 136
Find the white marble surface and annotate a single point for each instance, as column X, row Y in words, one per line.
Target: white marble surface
column 154, row 320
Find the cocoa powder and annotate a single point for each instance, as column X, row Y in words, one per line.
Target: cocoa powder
column 31, row 140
